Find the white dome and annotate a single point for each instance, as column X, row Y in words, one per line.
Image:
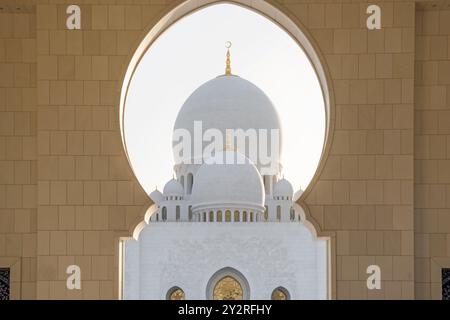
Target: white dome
column 236, row 185
column 229, row 102
column 283, row 188
column 173, row 188
column 156, row 196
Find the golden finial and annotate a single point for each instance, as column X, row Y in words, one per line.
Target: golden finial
column 228, row 45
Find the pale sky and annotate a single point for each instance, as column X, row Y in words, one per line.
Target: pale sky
column 190, row 53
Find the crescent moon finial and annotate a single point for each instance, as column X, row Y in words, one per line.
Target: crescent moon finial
column 228, row 45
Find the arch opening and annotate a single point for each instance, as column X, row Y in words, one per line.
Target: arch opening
column 228, row 288
column 156, row 36
column 280, row 293
column 294, row 31
column 227, row 284
column 175, row 293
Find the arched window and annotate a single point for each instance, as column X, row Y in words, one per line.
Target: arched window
column 204, row 216
column 237, row 217
column 228, row 288
column 190, row 213
column 266, row 213
column 211, row 216
column 182, row 182
column 219, row 216
column 177, row 213
column 157, row 217
column 228, row 216
column 175, row 293
column 164, row 213
column 279, row 213
column 280, row 293
column 292, row 211
column 244, row 216
column 251, row 216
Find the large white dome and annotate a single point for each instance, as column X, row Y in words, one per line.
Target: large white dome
column 222, row 185
column 229, row 102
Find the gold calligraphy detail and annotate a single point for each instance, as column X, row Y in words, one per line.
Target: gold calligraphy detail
column 228, row 288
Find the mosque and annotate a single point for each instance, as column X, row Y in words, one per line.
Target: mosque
column 75, row 223
column 227, row 230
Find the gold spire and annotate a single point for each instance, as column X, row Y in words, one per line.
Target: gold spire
column 228, row 45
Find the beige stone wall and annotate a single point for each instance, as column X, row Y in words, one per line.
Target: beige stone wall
column 18, row 170
column 67, row 193
column 365, row 192
column 432, row 151
column 87, row 195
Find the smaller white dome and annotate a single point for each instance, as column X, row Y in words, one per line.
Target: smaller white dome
column 220, row 184
column 156, row 196
column 173, row 188
column 283, row 188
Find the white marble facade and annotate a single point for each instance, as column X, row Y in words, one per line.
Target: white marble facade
column 187, row 255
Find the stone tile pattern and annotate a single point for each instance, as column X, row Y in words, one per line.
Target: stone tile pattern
column 432, row 151
column 364, row 195
column 18, row 162
column 67, row 192
column 87, row 192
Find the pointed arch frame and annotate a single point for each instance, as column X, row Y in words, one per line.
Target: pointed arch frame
column 281, row 16
column 227, row 272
